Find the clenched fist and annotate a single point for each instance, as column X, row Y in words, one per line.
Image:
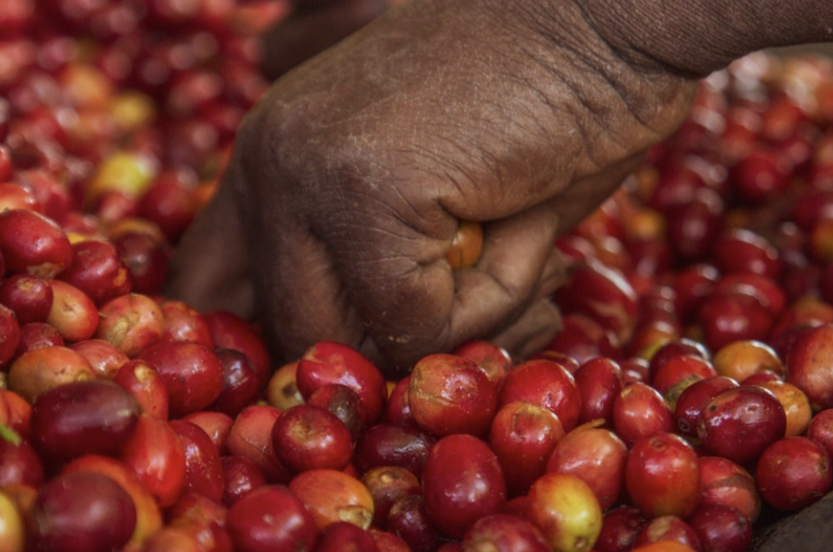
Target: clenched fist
column 351, row 177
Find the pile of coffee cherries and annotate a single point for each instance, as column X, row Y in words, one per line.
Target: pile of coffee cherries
column 688, row 396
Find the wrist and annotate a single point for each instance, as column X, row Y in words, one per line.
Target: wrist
column 697, row 37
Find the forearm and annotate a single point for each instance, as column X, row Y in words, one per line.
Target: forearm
column 698, row 36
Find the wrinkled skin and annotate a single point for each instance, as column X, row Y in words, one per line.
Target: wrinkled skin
column 349, row 179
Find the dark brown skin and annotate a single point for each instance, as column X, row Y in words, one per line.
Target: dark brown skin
column 349, row 179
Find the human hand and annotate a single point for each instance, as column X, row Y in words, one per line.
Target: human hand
column 350, row 178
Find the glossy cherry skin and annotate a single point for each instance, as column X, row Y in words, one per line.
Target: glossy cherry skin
column 462, row 482
column 739, row 423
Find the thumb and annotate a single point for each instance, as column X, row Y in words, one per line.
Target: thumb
column 210, row 268
column 313, row 27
